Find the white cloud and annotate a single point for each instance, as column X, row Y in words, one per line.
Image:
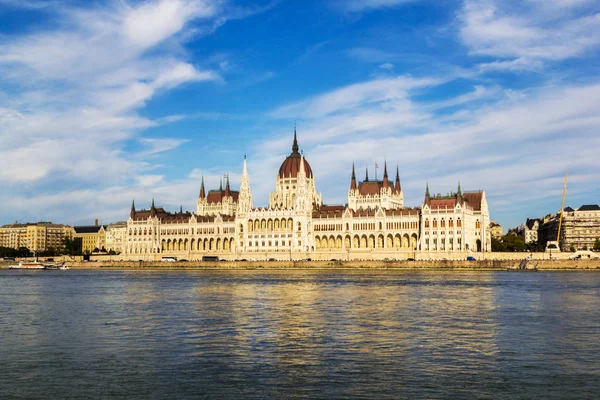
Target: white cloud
column 518, row 64
column 389, row 92
column 516, row 147
column 91, row 76
column 72, row 91
column 152, row 22
column 528, row 31
column 387, row 66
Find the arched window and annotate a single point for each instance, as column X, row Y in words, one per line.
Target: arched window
column 426, row 223
column 435, row 223
column 458, row 223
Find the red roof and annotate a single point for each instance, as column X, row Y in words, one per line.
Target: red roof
column 370, row 188
column 216, row 196
column 473, row 199
column 291, row 166
column 443, row 203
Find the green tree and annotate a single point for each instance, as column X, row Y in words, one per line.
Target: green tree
column 514, row 243
column 498, row 245
column 72, row 246
column 597, row 245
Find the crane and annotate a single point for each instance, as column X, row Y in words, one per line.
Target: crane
column 562, row 208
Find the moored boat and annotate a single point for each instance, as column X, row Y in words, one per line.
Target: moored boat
column 28, row 265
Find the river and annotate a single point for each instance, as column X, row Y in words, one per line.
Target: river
column 298, row 334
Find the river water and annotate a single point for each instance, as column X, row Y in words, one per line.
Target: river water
column 298, row 334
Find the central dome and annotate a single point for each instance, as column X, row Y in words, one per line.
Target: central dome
column 291, row 166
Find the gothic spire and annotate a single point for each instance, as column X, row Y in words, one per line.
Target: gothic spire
column 366, row 174
column 132, row 212
column 181, row 209
column 152, row 209
column 295, row 145
column 427, row 190
column 227, row 190
column 221, row 185
column 397, row 187
column 385, row 175
column 202, row 194
column 459, row 192
column 353, row 181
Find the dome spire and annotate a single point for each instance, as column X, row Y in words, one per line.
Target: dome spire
column 353, row 181
column 295, row 144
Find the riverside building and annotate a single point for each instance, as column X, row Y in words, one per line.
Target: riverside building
column 296, row 224
column 37, row 237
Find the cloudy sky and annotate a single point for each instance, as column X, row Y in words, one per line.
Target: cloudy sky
column 102, row 102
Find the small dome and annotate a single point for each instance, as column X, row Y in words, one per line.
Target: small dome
column 291, row 166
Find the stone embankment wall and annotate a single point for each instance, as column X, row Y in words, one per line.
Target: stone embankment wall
column 480, row 265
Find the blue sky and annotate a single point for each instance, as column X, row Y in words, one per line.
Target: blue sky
column 105, row 101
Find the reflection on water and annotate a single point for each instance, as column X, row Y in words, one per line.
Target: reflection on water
column 291, row 334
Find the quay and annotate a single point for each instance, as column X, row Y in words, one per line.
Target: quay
column 425, row 265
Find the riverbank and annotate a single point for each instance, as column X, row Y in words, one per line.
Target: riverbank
column 445, row 265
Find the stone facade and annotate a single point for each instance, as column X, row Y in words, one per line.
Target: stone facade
column 580, row 228
column 37, row 237
column 92, row 237
column 116, row 236
column 495, row 230
column 297, row 225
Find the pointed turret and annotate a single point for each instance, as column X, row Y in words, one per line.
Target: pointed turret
column 353, row 181
column 202, row 194
column 132, row 212
column 152, row 209
column 427, row 197
column 227, row 190
column 366, row 174
column 301, row 170
column 221, row 185
column 295, row 144
column 245, row 197
column 181, row 209
column 385, row 175
column 397, row 187
column 459, row 192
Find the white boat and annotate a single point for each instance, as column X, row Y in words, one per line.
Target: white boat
column 28, row 265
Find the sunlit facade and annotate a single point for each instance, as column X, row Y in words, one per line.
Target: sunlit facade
column 296, row 225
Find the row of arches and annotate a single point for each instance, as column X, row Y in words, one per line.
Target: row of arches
column 142, row 250
column 270, row 225
column 442, row 223
column 140, row 231
column 406, row 242
column 213, row 244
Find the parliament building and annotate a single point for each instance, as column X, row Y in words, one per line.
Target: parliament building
column 297, row 225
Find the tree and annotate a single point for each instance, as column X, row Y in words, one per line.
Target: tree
column 498, row 245
column 597, row 245
column 509, row 242
column 72, row 246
